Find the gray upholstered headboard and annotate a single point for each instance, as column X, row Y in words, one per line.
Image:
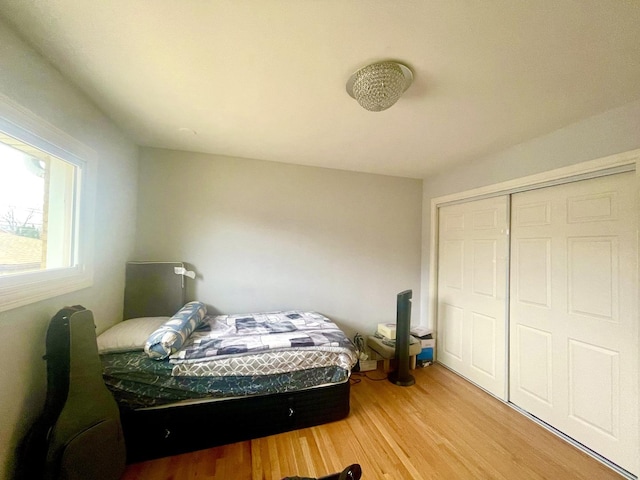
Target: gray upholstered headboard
column 153, row 289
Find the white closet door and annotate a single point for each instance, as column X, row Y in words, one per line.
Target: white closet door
column 573, row 312
column 472, row 272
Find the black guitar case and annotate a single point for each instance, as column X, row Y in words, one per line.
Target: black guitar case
column 79, row 435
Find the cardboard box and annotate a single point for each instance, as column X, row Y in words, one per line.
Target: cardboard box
column 367, row 365
column 387, row 330
column 428, row 343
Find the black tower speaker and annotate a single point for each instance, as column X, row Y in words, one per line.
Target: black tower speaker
column 401, row 376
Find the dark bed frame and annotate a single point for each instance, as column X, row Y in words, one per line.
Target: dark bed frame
column 154, row 433
column 160, row 432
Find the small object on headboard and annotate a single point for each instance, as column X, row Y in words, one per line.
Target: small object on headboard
column 153, row 289
column 183, row 271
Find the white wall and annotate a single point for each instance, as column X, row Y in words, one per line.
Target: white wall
column 265, row 235
column 611, row 132
column 27, row 79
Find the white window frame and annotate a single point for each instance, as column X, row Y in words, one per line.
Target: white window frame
column 25, row 288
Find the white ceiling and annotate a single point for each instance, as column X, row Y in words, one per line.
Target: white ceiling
column 266, row 79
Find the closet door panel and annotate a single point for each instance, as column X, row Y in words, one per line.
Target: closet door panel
column 533, row 259
column 483, row 347
column 472, row 252
column 573, row 312
column 452, row 324
column 532, row 377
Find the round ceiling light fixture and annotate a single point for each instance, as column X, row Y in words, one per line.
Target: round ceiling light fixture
column 378, row 86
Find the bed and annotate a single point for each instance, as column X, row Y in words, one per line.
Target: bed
column 223, row 378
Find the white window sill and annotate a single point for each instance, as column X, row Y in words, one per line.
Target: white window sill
column 34, row 287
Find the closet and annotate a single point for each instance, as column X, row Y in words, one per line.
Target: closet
column 537, row 303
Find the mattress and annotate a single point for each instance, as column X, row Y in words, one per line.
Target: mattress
column 137, row 382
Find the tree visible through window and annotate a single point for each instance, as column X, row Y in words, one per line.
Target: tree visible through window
column 37, row 196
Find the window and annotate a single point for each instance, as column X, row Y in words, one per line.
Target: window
column 37, row 200
column 45, row 205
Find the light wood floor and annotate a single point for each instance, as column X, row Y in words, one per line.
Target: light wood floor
column 441, row 428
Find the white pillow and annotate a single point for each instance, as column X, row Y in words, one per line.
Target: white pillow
column 129, row 335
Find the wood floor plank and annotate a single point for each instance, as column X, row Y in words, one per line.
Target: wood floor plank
column 441, row 428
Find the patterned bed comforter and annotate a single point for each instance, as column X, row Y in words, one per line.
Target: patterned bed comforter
column 263, row 344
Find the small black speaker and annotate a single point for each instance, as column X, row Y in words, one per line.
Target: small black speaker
column 401, row 375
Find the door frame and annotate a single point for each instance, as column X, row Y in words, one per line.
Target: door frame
column 612, row 164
